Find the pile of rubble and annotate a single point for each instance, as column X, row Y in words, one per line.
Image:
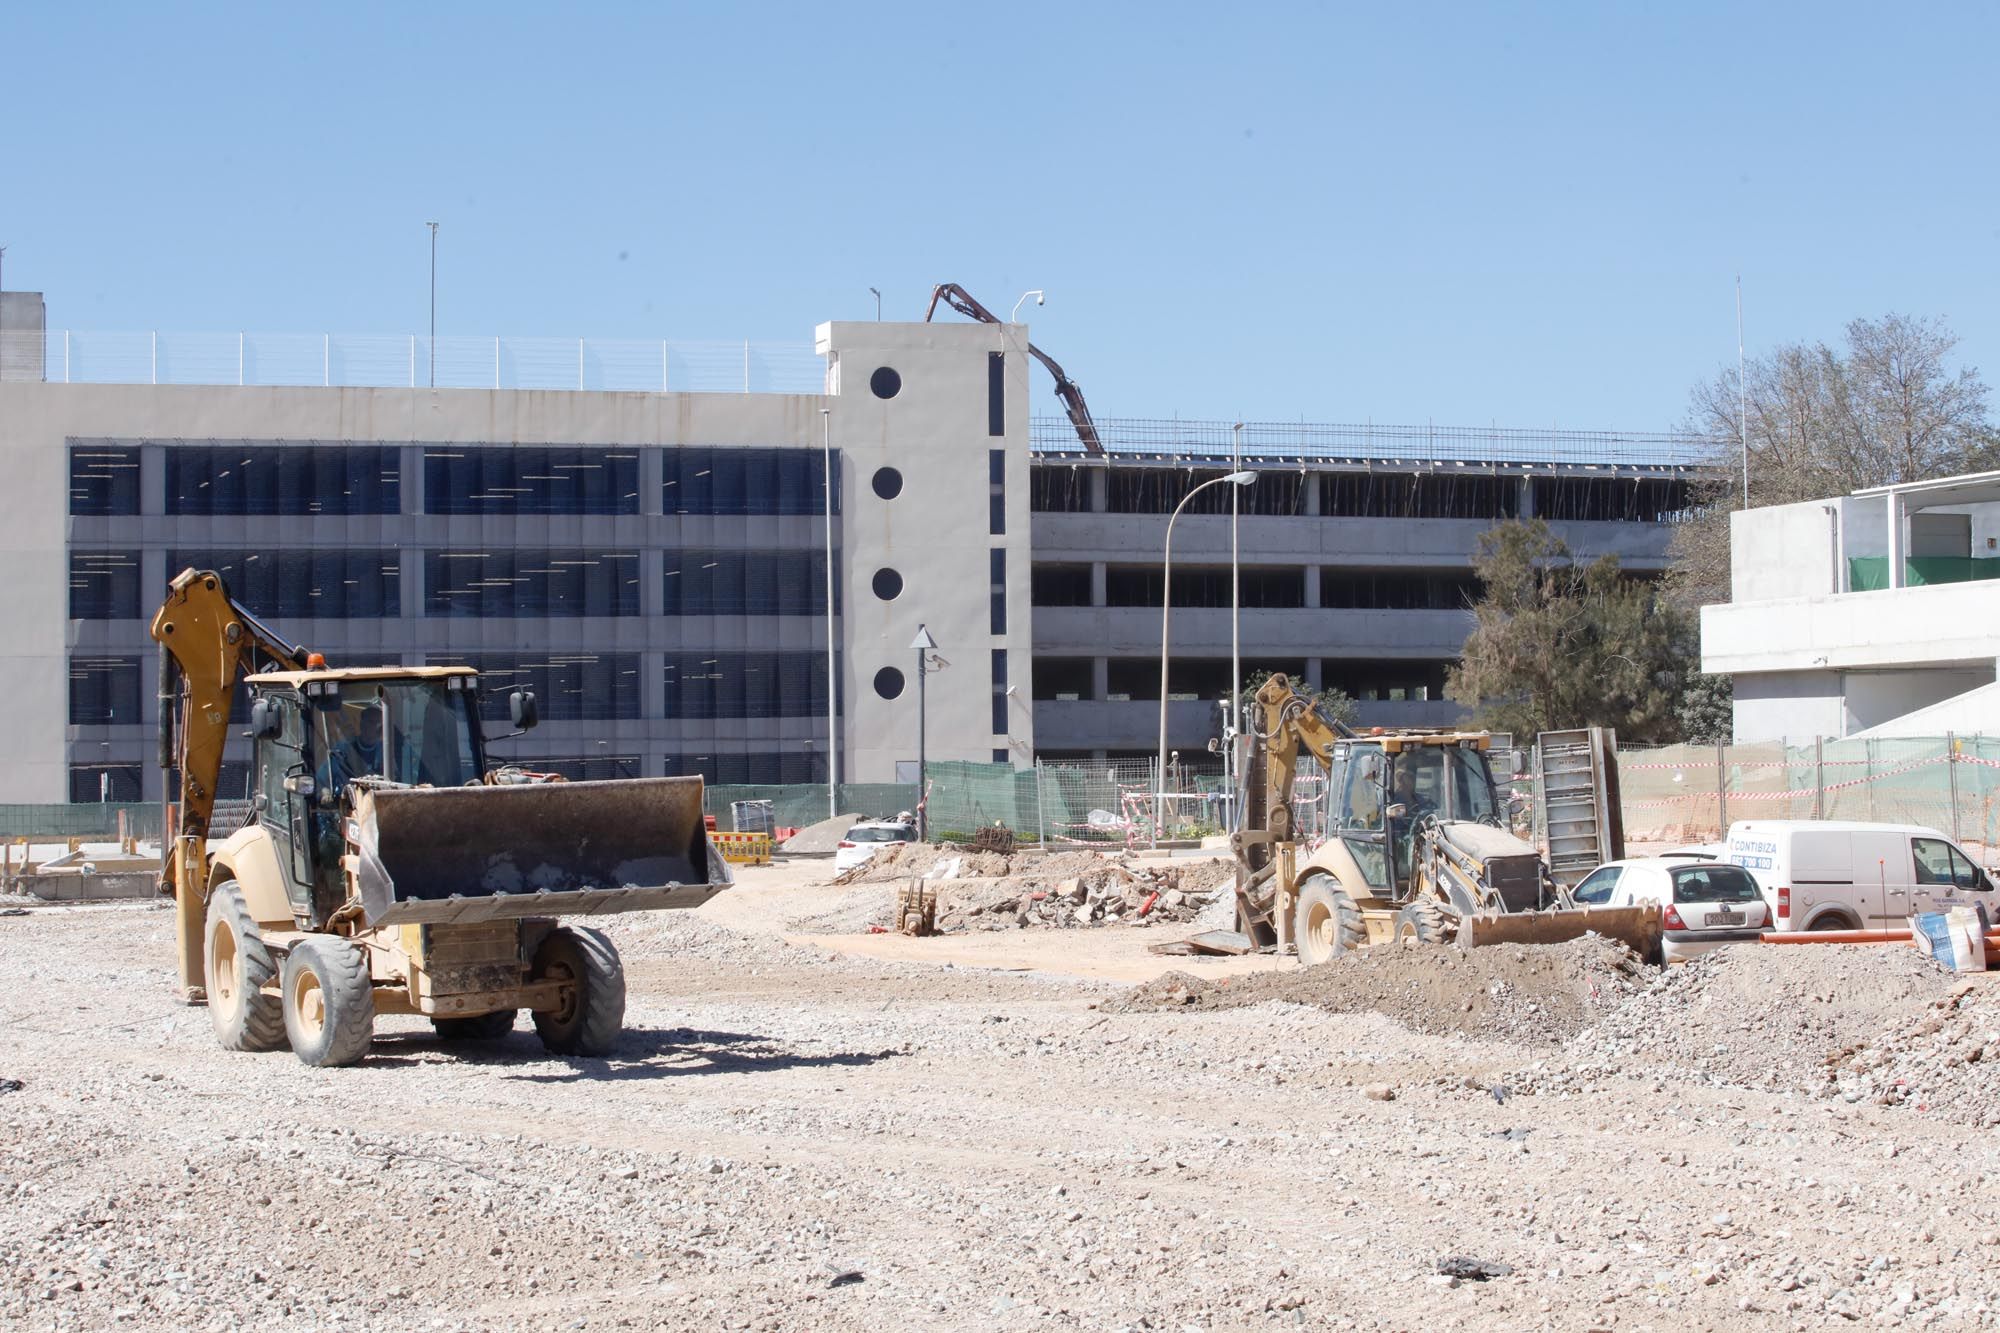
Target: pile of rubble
column 1059, row 891
column 1945, row 1062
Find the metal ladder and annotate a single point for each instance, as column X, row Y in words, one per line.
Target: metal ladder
column 1576, row 788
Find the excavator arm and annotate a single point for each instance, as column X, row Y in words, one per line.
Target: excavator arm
column 963, row 302
column 1284, row 722
column 206, row 640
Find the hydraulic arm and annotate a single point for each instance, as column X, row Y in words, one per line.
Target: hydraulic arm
column 962, row 301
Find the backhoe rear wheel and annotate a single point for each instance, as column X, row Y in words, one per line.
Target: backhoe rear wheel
column 329, row 1001
column 1423, row 922
column 238, row 965
column 485, row 1027
column 592, row 1011
column 1326, row 923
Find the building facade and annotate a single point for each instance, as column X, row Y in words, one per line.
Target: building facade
column 1866, row 615
column 656, row 565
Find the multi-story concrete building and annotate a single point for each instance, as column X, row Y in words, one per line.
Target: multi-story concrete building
column 654, row 560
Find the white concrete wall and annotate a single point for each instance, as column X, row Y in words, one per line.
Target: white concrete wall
column 1952, row 624
column 1784, row 551
column 1776, row 705
column 1874, row 697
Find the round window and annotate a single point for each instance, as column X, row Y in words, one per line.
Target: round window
column 885, row 382
column 888, row 483
column 888, row 584
column 889, row 682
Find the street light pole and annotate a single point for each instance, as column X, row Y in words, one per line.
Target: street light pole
column 924, row 644
column 434, row 303
column 1235, row 633
column 1166, row 621
column 832, row 680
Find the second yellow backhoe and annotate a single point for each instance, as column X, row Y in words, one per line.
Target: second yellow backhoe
column 1420, row 847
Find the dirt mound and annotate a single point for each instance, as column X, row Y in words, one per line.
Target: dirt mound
column 903, row 860
column 1944, row 1060
column 1764, row 1016
column 1539, row 994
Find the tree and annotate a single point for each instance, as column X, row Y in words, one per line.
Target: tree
column 1706, row 712
column 1560, row 644
column 1888, row 407
column 1336, row 704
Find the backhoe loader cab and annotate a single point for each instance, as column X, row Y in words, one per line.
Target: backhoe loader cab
column 1388, row 788
column 384, row 867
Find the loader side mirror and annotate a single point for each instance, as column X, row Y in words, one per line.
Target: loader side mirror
column 265, row 719
column 521, row 708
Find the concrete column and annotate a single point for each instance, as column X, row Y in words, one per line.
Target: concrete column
column 1100, row 489
column 652, row 596
column 1097, row 583
column 1526, row 503
column 411, row 461
column 153, row 483
column 1312, row 587
column 1100, row 677
column 410, row 581
column 1316, row 672
column 652, row 476
column 1312, row 494
column 1895, row 539
column 653, row 695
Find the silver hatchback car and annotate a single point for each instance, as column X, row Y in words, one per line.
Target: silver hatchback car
column 1704, row 904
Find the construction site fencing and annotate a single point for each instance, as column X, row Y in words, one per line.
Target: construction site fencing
column 1692, row 793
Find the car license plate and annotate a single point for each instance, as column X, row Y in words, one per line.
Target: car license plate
column 1725, row 917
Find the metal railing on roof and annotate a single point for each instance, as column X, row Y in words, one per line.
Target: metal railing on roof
column 1140, row 439
column 346, row 360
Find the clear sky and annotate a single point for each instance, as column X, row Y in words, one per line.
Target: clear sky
column 1520, row 214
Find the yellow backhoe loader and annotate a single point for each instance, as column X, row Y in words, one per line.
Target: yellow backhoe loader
column 1420, row 847
column 383, row 867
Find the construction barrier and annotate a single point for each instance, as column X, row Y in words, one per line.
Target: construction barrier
column 743, row 849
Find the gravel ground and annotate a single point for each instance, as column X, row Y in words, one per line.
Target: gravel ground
column 791, row 1138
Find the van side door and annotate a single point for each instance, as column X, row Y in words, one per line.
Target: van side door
column 1935, row 862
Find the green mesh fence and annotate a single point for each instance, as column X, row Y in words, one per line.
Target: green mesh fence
column 80, row 820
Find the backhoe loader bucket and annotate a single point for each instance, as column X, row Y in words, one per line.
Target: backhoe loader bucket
column 438, row 854
column 1637, row 928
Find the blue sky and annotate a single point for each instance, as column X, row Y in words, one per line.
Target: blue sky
column 1521, row 214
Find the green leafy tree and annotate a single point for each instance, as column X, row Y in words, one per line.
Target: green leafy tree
column 1336, row 704
column 1558, row 643
column 1706, row 711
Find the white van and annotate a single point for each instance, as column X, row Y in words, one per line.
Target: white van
column 1837, row 875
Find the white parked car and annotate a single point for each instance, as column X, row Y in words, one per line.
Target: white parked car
column 866, row 838
column 1704, row 904
column 1843, row 875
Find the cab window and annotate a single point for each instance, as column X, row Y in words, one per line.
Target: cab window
column 1965, row 874
column 1933, row 857
column 1597, row 887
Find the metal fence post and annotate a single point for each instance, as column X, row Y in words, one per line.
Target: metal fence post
column 1819, row 777
column 1951, row 769
column 1721, row 790
column 1868, row 775
column 1041, row 816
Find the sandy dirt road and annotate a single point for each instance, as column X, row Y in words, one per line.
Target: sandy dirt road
column 804, row 1135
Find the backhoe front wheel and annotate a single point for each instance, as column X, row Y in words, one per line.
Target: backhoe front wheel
column 1423, row 923
column 238, row 966
column 329, row 1001
column 591, row 1012
column 1326, row 923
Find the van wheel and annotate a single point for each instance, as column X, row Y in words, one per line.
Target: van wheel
column 1326, row 923
column 1834, row 921
column 329, row 1001
column 238, row 965
column 591, row 1013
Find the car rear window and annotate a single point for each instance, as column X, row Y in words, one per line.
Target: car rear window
column 878, row 835
column 1714, row 884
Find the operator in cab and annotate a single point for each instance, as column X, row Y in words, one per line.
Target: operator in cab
column 359, row 755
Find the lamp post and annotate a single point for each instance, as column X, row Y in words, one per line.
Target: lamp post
column 1235, row 633
column 924, row 644
column 1166, row 621
column 832, row 682
column 434, row 303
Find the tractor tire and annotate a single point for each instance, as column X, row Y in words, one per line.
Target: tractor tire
column 1423, row 922
column 329, row 1001
column 592, row 1012
column 237, row 966
column 485, row 1027
column 1326, row 923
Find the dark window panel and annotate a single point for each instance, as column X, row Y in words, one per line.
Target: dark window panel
column 568, row 686
column 1159, row 490
column 328, row 584
column 103, row 585
column 515, row 582
column 87, row 782
column 1613, row 499
column 230, row 479
column 1064, row 677
column 745, row 685
column 104, row 479
column 530, row 479
column 1058, row 489
column 1397, row 590
column 1206, row 586
column 103, row 691
column 996, row 393
column 745, row 583
column 706, row 479
column 1060, row 585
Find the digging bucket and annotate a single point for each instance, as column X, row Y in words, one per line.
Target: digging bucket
column 1637, row 928
column 437, row 854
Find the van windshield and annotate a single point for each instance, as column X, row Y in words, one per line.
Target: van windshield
column 862, row 833
column 1713, row 884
